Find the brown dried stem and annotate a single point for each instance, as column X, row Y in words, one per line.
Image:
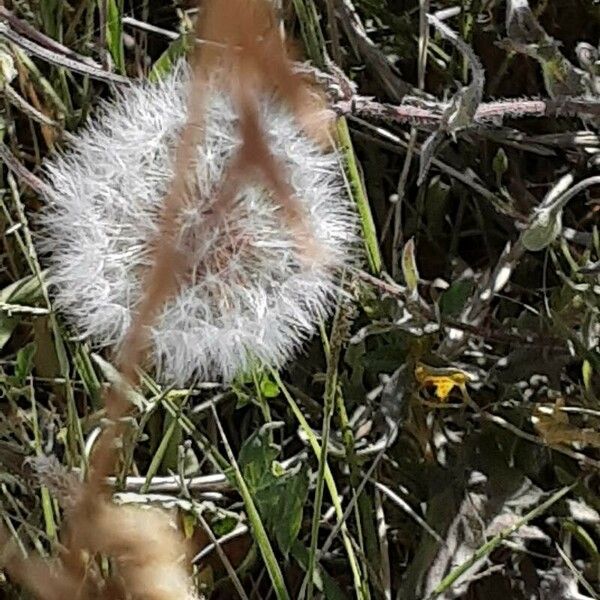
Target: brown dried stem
column 430, row 115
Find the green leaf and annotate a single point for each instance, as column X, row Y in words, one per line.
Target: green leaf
column 85, row 370
column 280, row 495
column 409, row 266
column 587, row 371
column 7, row 326
column 163, row 65
column 255, row 461
column 223, row 526
column 323, row 581
column 25, row 291
column 500, row 164
column 544, row 229
column 290, row 510
column 268, row 388
column 25, row 362
column 256, row 456
column 277, row 469
column 113, row 376
column 453, row 300
column 114, row 33
column 255, row 453
column 584, row 538
column 359, row 195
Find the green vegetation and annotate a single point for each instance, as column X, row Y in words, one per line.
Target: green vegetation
column 441, row 438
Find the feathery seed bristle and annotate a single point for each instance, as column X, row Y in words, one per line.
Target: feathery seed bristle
column 246, row 294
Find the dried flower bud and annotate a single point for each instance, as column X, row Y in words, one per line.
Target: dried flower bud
column 246, row 293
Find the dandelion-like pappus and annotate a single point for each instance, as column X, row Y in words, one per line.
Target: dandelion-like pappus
column 245, row 294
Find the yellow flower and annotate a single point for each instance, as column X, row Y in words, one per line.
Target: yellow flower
column 443, row 380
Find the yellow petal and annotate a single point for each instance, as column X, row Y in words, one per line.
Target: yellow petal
column 443, row 380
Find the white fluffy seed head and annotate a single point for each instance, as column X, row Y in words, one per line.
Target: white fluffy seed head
column 247, row 296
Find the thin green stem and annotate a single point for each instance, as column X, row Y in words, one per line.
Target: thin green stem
column 361, row 592
column 492, row 544
column 360, row 197
column 260, row 533
column 46, row 498
column 331, row 383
